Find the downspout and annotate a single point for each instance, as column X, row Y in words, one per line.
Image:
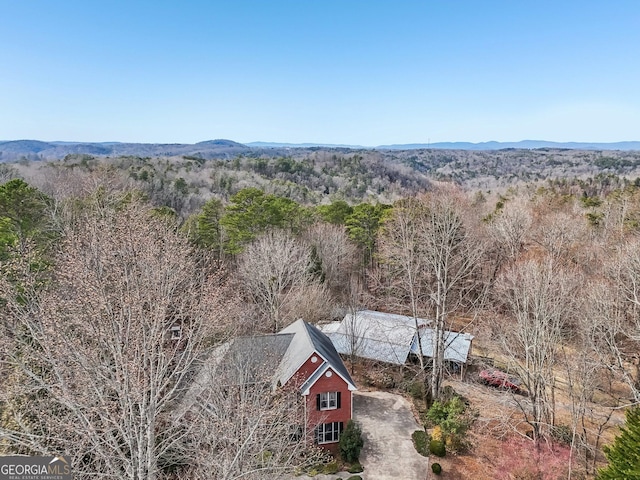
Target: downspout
column 351, row 413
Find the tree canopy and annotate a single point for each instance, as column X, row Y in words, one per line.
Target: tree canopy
column 363, row 224
column 336, row 212
column 624, row 454
column 252, row 212
column 23, row 216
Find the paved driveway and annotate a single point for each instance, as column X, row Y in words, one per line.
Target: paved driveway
column 387, row 424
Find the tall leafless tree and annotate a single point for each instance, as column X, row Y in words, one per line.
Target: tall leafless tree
column 562, row 234
column 623, row 269
column 272, row 269
column 538, row 300
column 106, row 348
column 355, row 331
column 403, row 262
column 453, row 253
column 508, row 232
column 592, row 367
column 510, row 229
column 433, row 258
column 336, row 253
column 243, row 428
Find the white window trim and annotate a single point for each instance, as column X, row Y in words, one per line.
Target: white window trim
column 328, row 398
column 332, row 428
column 176, row 332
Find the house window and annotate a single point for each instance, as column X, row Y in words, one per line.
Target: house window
column 176, row 332
column 328, row 400
column 328, row 432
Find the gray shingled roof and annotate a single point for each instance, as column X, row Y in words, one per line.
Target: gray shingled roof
column 307, row 340
column 253, row 359
column 267, row 359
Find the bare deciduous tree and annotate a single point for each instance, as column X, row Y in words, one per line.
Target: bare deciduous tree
column 591, row 368
column 453, row 253
column 403, row 262
column 310, row 301
column 623, row 268
column 105, row 349
column 510, row 229
column 561, row 234
column 355, row 331
column 433, row 258
column 538, row 298
column 242, row 427
column 272, row 269
column 335, row 251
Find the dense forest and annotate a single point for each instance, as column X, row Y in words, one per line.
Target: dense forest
column 537, row 254
column 318, row 175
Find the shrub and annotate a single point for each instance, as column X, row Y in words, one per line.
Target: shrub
column 437, row 447
column 416, row 390
column 330, row 468
column 420, row 441
column 265, row 457
column 355, row 477
column 522, row 460
column 436, row 468
column 355, row 468
column 562, row 434
column 351, row 442
column 451, row 419
column 446, row 414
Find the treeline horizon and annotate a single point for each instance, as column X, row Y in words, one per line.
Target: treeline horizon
column 545, row 275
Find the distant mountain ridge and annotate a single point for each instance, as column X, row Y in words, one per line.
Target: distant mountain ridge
column 492, row 145
column 303, row 145
column 525, row 144
column 38, row 150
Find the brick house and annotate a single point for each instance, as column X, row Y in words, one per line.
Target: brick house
column 299, row 359
column 313, row 365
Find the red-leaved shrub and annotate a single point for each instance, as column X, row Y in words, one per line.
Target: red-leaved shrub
column 522, row 460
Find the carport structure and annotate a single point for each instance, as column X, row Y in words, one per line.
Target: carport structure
column 391, row 338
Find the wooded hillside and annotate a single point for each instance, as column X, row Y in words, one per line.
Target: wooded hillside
column 102, row 257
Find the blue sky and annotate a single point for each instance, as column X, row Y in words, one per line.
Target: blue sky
column 331, row 71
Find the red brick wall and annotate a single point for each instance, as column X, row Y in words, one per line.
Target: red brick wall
column 308, row 367
column 334, row 383
column 305, row 371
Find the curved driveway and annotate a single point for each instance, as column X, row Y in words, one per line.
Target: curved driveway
column 387, row 424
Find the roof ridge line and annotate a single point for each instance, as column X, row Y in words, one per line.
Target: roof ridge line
column 306, row 331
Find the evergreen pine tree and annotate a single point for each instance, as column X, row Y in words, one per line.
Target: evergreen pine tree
column 351, row 442
column 624, row 454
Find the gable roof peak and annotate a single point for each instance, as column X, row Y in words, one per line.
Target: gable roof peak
column 307, row 340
